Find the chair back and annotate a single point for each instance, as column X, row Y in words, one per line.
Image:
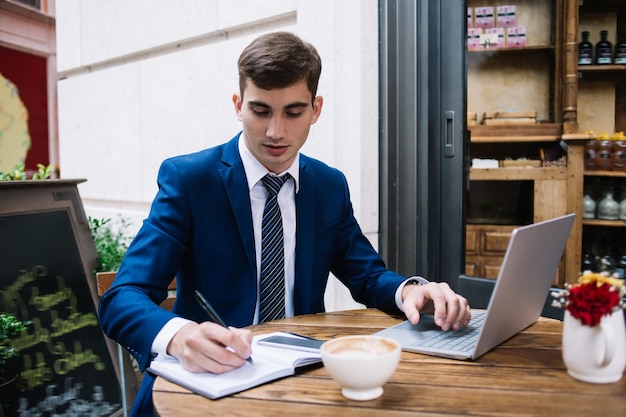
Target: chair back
column 105, row 280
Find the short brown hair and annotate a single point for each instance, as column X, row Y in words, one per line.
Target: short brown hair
column 278, row 60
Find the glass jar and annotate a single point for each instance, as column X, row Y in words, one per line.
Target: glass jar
column 604, row 147
column 590, row 154
column 622, row 208
column 618, row 152
column 589, row 206
column 608, row 208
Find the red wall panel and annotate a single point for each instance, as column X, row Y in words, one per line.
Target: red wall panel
column 29, row 74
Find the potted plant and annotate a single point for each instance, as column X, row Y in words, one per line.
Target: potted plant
column 111, row 240
column 19, row 173
column 594, row 337
column 9, row 326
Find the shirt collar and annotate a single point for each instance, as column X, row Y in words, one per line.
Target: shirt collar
column 255, row 170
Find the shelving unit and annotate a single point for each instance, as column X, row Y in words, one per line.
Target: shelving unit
column 570, row 101
column 601, row 107
column 514, row 80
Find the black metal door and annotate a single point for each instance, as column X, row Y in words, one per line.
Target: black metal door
column 423, row 137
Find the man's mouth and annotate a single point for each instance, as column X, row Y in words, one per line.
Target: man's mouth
column 276, row 150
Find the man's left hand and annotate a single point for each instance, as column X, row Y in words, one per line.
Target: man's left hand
column 451, row 311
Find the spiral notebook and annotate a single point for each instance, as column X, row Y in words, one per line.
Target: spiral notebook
column 270, row 363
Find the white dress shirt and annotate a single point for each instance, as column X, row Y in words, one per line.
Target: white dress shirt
column 287, row 203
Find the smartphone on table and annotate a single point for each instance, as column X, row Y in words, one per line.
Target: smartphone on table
column 293, row 343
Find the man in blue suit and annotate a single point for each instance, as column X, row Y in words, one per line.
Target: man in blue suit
column 204, row 227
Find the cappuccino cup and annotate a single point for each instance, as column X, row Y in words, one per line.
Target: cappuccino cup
column 361, row 364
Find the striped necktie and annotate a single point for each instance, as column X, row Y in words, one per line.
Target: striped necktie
column 272, row 253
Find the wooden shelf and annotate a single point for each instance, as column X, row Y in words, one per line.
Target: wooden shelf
column 618, row 174
column 517, row 139
column 517, row 174
column 604, row 223
column 525, row 50
column 540, row 132
column 577, row 136
column 602, row 68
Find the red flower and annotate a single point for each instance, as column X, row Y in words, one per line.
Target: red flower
column 589, row 302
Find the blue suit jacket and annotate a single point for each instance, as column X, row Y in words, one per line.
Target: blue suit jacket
column 200, row 230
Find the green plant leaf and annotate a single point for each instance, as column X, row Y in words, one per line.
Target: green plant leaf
column 111, row 241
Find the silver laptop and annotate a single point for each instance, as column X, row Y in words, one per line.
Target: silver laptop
column 527, row 271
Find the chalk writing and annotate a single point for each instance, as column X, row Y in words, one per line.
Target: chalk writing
column 10, row 295
column 74, row 322
column 69, row 399
column 64, row 364
column 34, row 376
column 72, row 360
column 46, row 302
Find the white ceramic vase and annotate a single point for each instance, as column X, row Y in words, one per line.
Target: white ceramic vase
column 595, row 354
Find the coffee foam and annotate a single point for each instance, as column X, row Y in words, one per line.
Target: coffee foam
column 359, row 346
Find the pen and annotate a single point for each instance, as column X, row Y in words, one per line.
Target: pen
column 300, row 335
column 213, row 314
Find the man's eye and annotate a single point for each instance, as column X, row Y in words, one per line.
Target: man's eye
column 260, row 112
column 294, row 115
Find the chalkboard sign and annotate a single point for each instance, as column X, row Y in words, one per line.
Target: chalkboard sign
column 65, row 363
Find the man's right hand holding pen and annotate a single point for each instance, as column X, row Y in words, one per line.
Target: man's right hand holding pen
column 203, row 347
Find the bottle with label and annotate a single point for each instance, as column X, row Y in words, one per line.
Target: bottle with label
column 585, row 50
column 620, row 50
column 608, row 208
column 604, row 50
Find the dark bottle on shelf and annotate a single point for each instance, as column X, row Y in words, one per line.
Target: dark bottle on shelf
column 620, row 50
column 604, row 52
column 606, row 262
column 620, row 264
column 620, row 268
column 588, row 261
column 585, row 50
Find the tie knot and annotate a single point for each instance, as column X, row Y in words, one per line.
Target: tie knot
column 274, row 183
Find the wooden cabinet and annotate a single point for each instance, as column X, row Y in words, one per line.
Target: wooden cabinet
column 569, row 101
column 485, row 246
column 595, row 103
column 531, row 180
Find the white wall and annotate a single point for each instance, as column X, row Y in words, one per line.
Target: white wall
column 143, row 80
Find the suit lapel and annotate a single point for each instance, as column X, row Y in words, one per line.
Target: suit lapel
column 305, row 237
column 236, row 186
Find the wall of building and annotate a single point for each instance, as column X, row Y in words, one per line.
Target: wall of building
column 145, row 80
column 28, row 66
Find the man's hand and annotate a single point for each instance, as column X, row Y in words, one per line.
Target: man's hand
column 203, row 347
column 451, row 310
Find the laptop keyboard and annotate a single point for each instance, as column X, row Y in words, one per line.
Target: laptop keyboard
column 462, row 340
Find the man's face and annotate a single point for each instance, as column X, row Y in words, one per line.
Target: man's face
column 276, row 122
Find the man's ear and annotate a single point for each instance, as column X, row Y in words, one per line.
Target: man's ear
column 237, row 103
column 318, row 102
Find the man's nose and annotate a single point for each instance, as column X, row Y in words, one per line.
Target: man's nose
column 276, row 128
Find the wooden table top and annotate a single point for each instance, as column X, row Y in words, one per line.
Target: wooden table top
column 525, row 376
